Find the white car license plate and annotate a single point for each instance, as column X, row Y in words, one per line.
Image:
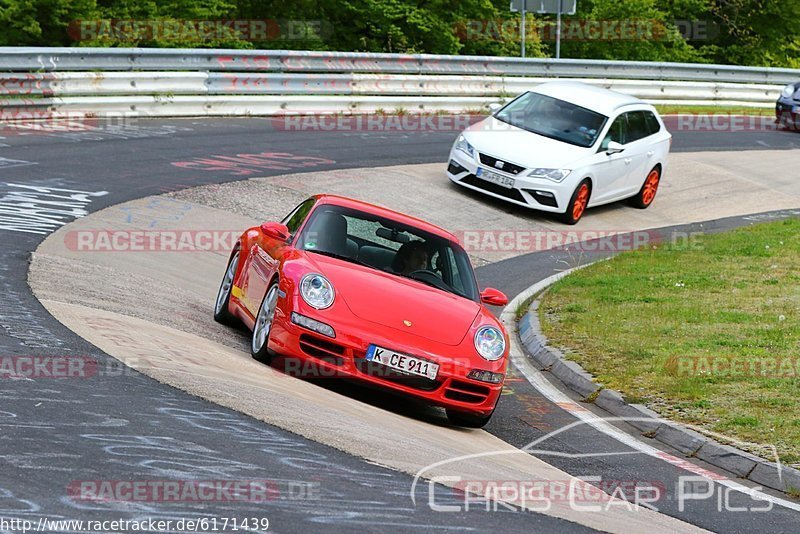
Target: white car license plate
column 499, row 179
column 402, row 362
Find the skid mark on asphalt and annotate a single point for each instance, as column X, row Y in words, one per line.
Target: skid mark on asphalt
column 250, row 164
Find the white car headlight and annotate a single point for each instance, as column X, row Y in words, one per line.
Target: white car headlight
column 463, row 145
column 490, row 343
column 317, row 291
column 788, row 90
column 555, row 175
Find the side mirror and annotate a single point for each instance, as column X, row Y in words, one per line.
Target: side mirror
column 614, row 148
column 275, row 231
column 494, row 106
column 493, row 297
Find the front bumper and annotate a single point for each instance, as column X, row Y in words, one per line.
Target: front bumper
column 311, row 355
column 787, row 111
column 543, row 195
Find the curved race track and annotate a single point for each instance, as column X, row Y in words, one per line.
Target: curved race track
column 129, row 427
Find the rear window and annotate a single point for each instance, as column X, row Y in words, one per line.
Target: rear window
column 653, row 125
column 637, row 126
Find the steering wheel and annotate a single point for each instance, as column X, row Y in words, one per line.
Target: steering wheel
column 423, row 271
column 429, row 277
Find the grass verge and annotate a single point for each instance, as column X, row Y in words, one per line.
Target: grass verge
column 711, row 110
column 706, row 333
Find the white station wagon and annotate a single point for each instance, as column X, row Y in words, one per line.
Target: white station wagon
column 563, row 147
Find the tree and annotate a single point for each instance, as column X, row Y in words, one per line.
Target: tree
column 757, row 32
column 636, row 30
column 40, row 22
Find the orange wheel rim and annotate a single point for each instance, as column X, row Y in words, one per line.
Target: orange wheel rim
column 580, row 202
column 650, row 187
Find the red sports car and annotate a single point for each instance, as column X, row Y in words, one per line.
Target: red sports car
column 348, row 289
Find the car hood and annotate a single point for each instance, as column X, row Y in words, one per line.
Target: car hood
column 502, row 140
column 389, row 300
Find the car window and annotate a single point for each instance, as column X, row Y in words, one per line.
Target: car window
column 295, row 219
column 387, row 245
column 617, row 132
column 553, row 118
column 653, row 125
column 637, row 126
column 367, row 232
column 447, row 265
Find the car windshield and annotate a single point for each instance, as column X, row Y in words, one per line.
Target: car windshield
column 387, row 245
column 553, row 118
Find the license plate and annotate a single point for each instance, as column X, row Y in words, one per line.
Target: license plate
column 402, row 362
column 499, row 179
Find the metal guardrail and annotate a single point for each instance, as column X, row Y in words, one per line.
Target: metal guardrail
column 183, row 81
column 121, row 59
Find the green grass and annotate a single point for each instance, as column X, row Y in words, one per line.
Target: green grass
column 648, row 323
column 522, row 309
column 674, row 109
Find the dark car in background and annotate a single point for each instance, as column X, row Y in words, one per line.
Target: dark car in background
column 787, row 108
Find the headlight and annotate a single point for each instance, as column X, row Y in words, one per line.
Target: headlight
column 490, row 343
column 463, row 145
column 317, row 291
column 555, row 175
column 788, row 91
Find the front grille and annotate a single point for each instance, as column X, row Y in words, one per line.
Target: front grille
column 510, row 168
column 512, row 194
column 466, row 392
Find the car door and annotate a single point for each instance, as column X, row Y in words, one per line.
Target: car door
column 639, row 150
column 264, row 257
column 611, row 170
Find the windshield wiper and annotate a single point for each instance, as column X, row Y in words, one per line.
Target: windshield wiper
column 339, row 256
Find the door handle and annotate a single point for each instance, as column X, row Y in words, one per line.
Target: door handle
column 650, row 153
column 627, row 161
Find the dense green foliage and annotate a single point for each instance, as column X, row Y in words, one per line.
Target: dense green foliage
column 752, row 32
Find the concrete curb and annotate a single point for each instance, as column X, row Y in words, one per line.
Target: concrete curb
column 692, row 444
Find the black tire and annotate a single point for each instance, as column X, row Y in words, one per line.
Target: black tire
column 221, row 313
column 573, row 214
column 259, row 345
column 468, row 420
column 647, row 193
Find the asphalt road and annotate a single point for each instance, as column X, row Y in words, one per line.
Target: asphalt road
column 57, row 432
